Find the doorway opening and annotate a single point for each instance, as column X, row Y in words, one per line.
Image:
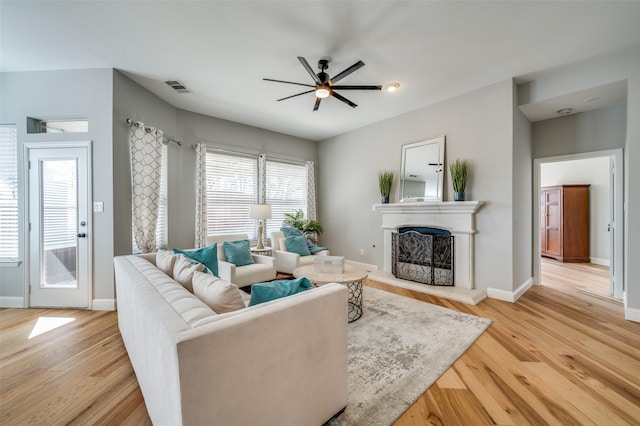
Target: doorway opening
column 601, row 268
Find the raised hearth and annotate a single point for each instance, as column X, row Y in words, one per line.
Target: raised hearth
column 457, row 217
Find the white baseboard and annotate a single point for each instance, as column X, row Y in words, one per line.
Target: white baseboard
column 361, row 265
column 632, row 314
column 598, row 261
column 510, row 296
column 11, row 302
column 104, row 304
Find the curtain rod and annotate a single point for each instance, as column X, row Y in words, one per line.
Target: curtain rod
column 148, row 129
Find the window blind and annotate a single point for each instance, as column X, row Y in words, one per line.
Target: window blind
column 286, row 191
column 231, row 189
column 8, row 192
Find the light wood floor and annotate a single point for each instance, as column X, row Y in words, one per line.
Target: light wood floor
column 557, row 356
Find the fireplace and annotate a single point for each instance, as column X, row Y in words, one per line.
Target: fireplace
column 455, row 217
column 422, row 254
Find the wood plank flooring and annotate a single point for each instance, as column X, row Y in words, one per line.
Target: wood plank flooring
column 557, row 356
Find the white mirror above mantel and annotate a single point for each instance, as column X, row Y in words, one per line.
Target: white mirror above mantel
column 457, row 217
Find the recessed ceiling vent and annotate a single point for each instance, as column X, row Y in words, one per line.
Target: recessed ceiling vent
column 177, row 86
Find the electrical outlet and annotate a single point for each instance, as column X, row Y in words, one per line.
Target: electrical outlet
column 98, row 206
column 362, row 252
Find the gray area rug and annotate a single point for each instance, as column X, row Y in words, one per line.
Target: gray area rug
column 397, row 350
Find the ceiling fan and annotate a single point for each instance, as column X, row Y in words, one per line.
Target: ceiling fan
column 325, row 86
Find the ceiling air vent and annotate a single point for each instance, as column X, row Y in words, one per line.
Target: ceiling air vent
column 177, row 86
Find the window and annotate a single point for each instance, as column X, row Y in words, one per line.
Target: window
column 231, row 189
column 8, row 192
column 286, row 191
column 162, row 227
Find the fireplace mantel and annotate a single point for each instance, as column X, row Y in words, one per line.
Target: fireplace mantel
column 454, row 216
column 441, row 207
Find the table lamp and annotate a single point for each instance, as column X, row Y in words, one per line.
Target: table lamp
column 260, row 212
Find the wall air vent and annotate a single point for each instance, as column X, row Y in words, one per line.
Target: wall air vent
column 177, row 86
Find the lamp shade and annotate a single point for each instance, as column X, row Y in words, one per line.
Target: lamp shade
column 260, row 211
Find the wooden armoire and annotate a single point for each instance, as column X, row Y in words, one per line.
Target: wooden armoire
column 564, row 225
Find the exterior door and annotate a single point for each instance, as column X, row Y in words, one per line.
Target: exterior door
column 59, row 225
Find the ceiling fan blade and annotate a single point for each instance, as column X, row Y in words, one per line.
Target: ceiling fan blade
column 293, row 96
column 307, row 67
column 357, row 87
column 348, row 71
column 288, row 82
column 343, row 99
column 317, row 105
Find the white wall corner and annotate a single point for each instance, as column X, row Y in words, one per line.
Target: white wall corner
column 510, row 296
column 598, row 261
column 11, row 302
column 632, row 314
column 104, row 304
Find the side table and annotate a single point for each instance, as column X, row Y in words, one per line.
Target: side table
column 351, row 276
column 263, row 251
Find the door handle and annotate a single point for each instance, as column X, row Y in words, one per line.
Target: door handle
column 82, row 235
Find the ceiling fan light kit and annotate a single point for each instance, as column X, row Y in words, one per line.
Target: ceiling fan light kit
column 324, row 85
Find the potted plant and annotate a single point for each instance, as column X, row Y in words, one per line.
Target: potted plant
column 310, row 228
column 459, row 173
column 385, row 180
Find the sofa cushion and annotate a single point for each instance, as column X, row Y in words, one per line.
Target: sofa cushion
column 220, row 295
column 206, row 255
column 264, row 292
column 298, row 244
column 183, row 271
column 165, row 261
column 238, row 252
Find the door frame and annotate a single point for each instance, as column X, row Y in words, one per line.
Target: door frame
column 618, row 262
column 26, row 146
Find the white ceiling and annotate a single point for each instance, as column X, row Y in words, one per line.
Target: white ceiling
column 222, row 50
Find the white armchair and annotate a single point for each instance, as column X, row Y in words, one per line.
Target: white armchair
column 287, row 261
column 264, row 268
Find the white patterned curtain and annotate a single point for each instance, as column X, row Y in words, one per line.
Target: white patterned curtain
column 145, row 144
column 262, row 177
column 201, row 195
column 311, row 190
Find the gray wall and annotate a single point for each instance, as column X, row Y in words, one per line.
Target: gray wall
column 522, row 242
column 133, row 101
column 478, row 127
column 77, row 93
column 623, row 65
column 595, row 130
column 130, row 100
column 216, row 133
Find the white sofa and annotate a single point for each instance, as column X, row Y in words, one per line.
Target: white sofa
column 287, row 261
column 282, row 362
column 264, row 268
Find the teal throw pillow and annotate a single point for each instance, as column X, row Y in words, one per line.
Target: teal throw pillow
column 208, row 256
column 290, row 231
column 272, row 290
column 297, row 245
column 238, row 252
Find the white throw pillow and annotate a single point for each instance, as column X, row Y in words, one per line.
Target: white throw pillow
column 165, row 261
column 183, row 271
column 220, row 295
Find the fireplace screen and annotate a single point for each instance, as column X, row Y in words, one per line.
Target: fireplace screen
column 423, row 255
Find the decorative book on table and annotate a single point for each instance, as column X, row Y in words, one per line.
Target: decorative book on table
column 329, row 264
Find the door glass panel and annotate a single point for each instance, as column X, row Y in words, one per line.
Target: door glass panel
column 59, row 223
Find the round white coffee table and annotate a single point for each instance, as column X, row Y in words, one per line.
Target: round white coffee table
column 351, row 277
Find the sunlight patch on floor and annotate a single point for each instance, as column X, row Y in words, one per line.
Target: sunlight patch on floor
column 45, row 324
